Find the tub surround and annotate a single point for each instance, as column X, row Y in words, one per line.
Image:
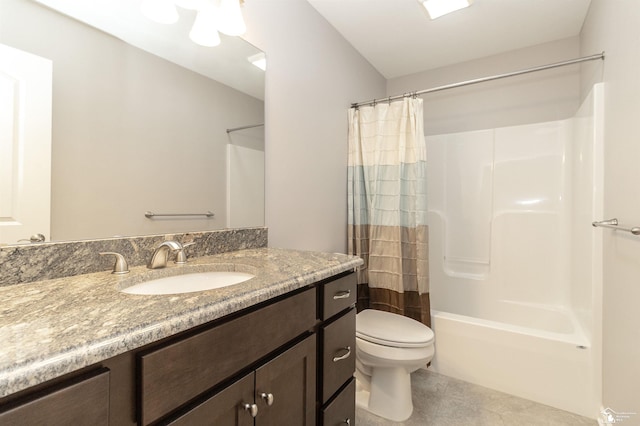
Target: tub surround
column 50, row 328
column 37, row 262
column 493, row 303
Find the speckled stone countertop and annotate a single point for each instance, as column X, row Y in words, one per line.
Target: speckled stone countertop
column 50, row 328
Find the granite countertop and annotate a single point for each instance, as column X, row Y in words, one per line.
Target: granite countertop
column 50, row 328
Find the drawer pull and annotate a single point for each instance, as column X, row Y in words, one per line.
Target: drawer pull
column 347, row 422
column 267, row 397
column 342, row 295
column 252, row 409
column 345, row 356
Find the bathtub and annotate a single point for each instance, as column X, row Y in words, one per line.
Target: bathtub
column 547, row 360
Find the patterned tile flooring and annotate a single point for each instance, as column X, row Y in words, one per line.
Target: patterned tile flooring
column 444, row 401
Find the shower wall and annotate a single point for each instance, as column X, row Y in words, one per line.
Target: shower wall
column 245, row 178
column 512, row 249
column 510, row 218
column 502, row 200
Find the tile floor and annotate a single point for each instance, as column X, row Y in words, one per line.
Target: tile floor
column 443, row 401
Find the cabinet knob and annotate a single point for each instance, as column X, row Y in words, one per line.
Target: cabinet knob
column 347, row 422
column 345, row 356
column 267, row 397
column 251, row 409
column 342, row 295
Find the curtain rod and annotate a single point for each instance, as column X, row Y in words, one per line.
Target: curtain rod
column 244, row 127
column 482, row 80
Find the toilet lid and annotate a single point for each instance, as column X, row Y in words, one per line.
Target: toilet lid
column 390, row 329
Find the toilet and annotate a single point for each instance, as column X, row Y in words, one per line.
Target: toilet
column 389, row 347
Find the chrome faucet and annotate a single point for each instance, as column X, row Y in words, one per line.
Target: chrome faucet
column 160, row 255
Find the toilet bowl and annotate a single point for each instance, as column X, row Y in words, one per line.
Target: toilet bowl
column 389, row 347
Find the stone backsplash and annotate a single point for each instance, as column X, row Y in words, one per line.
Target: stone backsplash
column 36, row 262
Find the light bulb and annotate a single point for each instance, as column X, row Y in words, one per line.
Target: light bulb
column 204, row 31
column 230, row 20
column 160, row 11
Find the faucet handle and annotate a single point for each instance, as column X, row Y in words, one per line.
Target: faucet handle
column 121, row 266
column 181, row 257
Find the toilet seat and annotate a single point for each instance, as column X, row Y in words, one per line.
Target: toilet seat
column 382, row 328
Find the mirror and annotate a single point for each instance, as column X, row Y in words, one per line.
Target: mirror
column 143, row 120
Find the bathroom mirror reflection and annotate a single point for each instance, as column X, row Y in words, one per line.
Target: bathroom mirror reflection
column 134, row 130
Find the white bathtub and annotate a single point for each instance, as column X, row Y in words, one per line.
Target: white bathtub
column 549, row 365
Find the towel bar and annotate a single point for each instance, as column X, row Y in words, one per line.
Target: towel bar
column 152, row 214
column 613, row 224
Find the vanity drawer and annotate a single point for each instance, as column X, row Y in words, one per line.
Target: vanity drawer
column 82, row 401
column 342, row 410
column 174, row 374
column 338, row 353
column 338, row 295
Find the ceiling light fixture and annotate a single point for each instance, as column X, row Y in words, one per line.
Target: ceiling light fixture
column 204, row 30
column 438, row 8
column 231, row 22
column 211, row 16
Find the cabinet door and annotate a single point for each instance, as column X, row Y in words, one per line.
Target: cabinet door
column 226, row 408
column 286, row 387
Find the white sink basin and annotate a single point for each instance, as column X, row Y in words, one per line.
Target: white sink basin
column 189, row 283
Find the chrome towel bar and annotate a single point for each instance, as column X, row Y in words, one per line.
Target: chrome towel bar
column 613, row 223
column 152, row 214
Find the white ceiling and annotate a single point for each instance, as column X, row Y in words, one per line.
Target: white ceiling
column 398, row 38
column 227, row 63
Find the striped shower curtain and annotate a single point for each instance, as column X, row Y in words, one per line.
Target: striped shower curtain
column 387, row 207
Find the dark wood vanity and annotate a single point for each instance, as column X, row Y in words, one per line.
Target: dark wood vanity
column 287, row 361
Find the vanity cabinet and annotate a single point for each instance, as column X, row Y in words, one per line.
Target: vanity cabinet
column 285, row 361
column 175, row 373
column 81, row 401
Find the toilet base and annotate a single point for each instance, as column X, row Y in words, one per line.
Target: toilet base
column 387, row 394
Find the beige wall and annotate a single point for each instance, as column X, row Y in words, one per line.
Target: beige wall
column 531, row 98
column 313, row 76
column 613, row 26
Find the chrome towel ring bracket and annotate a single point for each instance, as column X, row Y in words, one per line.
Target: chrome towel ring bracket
column 613, row 224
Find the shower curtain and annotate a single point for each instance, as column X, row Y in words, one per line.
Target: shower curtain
column 387, row 207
